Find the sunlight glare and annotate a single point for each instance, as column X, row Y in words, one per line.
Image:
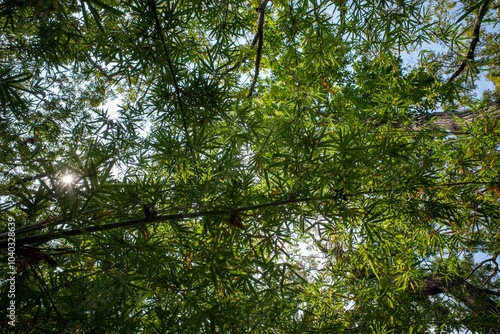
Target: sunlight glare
column 67, row 179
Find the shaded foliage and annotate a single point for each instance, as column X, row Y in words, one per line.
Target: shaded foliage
column 273, row 167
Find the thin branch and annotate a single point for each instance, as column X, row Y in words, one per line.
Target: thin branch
column 30, row 228
column 259, row 39
column 45, row 290
column 472, row 47
column 493, row 273
column 238, row 63
column 18, row 182
column 99, row 68
column 235, row 66
column 341, row 5
column 480, row 265
column 57, row 220
column 159, row 30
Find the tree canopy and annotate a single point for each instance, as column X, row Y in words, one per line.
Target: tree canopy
column 281, row 166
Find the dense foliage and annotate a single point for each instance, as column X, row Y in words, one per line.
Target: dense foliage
column 241, row 167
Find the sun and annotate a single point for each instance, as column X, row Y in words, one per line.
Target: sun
column 67, row 179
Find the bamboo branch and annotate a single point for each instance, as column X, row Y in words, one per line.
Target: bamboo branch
column 159, row 31
column 255, row 37
column 472, row 47
column 259, row 39
column 65, row 233
column 57, row 220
